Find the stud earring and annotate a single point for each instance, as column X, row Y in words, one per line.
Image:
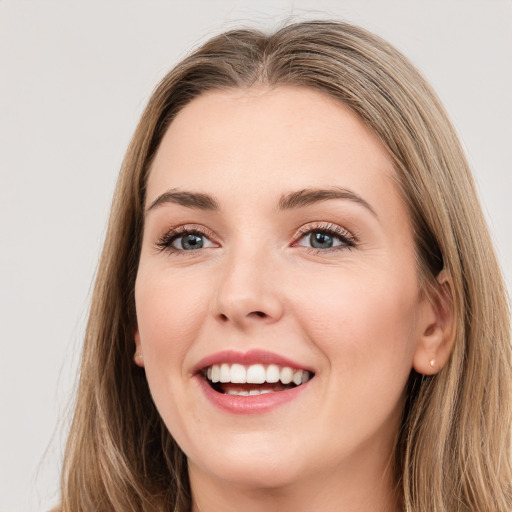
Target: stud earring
column 137, row 356
column 432, row 362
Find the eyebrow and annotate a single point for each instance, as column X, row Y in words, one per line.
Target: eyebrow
column 292, row 200
column 195, row 200
column 311, row 196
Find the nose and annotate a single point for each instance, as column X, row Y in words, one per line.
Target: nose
column 249, row 292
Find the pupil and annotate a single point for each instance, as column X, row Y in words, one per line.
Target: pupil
column 320, row 241
column 191, row 242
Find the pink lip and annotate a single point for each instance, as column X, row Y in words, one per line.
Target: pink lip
column 255, row 404
column 254, row 356
column 247, row 404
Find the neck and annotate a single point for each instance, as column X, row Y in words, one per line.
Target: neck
column 356, row 487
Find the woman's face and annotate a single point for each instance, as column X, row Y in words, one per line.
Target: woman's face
column 276, row 247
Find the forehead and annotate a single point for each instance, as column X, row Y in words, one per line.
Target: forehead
column 263, row 142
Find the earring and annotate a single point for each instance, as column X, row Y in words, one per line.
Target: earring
column 432, row 362
column 137, row 356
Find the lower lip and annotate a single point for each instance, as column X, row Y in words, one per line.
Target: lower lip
column 255, row 404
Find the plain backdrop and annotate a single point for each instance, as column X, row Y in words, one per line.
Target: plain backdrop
column 74, row 78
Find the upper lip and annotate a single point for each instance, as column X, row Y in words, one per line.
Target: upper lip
column 254, row 356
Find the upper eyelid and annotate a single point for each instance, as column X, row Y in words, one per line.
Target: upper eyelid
column 325, row 226
column 189, row 228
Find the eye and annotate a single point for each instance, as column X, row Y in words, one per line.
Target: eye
column 319, row 240
column 184, row 240
column 325, row 238
column 191, row 242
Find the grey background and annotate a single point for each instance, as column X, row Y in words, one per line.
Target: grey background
column 74, row 78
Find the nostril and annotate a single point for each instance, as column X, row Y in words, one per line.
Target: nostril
column 253, row 314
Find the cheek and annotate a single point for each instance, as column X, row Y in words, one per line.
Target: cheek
column 170, row 312
column 365, row 326
column 360, row 297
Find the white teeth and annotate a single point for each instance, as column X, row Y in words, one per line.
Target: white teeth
column 256, row 374
column 253, row 392
column 238, row 374
column 272, row 373
column 286, row 375
column 225, row 374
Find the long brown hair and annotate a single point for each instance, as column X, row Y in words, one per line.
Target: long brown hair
column 454, row 446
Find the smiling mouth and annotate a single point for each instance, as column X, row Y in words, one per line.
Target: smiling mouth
column 255, row 379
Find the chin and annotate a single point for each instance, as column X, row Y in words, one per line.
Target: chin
column 265, row 468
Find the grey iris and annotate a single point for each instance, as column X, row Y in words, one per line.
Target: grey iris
column 320, row 240
column 191, row 242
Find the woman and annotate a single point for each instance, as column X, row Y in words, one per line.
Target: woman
column 297, row 259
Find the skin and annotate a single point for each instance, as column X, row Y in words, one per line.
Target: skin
column 355, row 315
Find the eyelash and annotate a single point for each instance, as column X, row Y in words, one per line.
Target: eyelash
column 166, row 241
column 348, row 241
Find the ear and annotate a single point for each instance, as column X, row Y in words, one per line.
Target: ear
column 138, row 357
column 437, row 328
